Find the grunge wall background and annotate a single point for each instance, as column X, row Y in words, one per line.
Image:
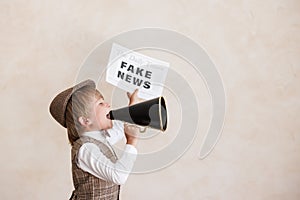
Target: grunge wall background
column 255, row 46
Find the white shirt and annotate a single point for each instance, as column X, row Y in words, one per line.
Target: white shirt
column 93, row 161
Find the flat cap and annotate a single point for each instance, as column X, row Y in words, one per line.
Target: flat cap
column 58, row 105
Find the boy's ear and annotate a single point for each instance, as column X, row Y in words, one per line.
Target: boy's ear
column 84, row 121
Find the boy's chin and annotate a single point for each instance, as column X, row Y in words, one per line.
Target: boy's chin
column 109, row 125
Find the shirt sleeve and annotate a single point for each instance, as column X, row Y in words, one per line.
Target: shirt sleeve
column 93, row 161
column 116, row 133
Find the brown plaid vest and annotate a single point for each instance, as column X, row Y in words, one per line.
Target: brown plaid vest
column 87, row 186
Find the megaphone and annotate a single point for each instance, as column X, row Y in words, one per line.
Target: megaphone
column 151, row 113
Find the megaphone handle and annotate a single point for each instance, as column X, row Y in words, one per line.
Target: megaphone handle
column 142, row 129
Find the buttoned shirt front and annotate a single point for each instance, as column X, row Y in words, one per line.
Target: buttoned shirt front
column 93, row 161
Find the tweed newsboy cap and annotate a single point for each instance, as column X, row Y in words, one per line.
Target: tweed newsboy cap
column 59, row 103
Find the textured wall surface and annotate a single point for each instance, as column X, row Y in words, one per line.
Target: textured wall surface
column 255, row 46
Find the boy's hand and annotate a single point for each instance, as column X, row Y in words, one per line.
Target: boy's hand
column 131, row 132
column 133, row 98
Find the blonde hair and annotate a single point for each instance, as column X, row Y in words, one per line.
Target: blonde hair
column 79, row 105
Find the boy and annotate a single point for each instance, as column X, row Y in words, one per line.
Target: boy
column 96, row 171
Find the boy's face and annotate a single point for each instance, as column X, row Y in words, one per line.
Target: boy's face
column 98, row 116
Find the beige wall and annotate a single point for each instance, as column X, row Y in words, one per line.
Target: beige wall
column 255, row 46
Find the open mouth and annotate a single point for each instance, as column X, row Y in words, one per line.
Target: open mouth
column 108, row 116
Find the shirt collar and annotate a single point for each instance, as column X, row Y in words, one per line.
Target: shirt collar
column 100, row 135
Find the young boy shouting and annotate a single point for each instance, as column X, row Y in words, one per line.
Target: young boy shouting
column 96, row 171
